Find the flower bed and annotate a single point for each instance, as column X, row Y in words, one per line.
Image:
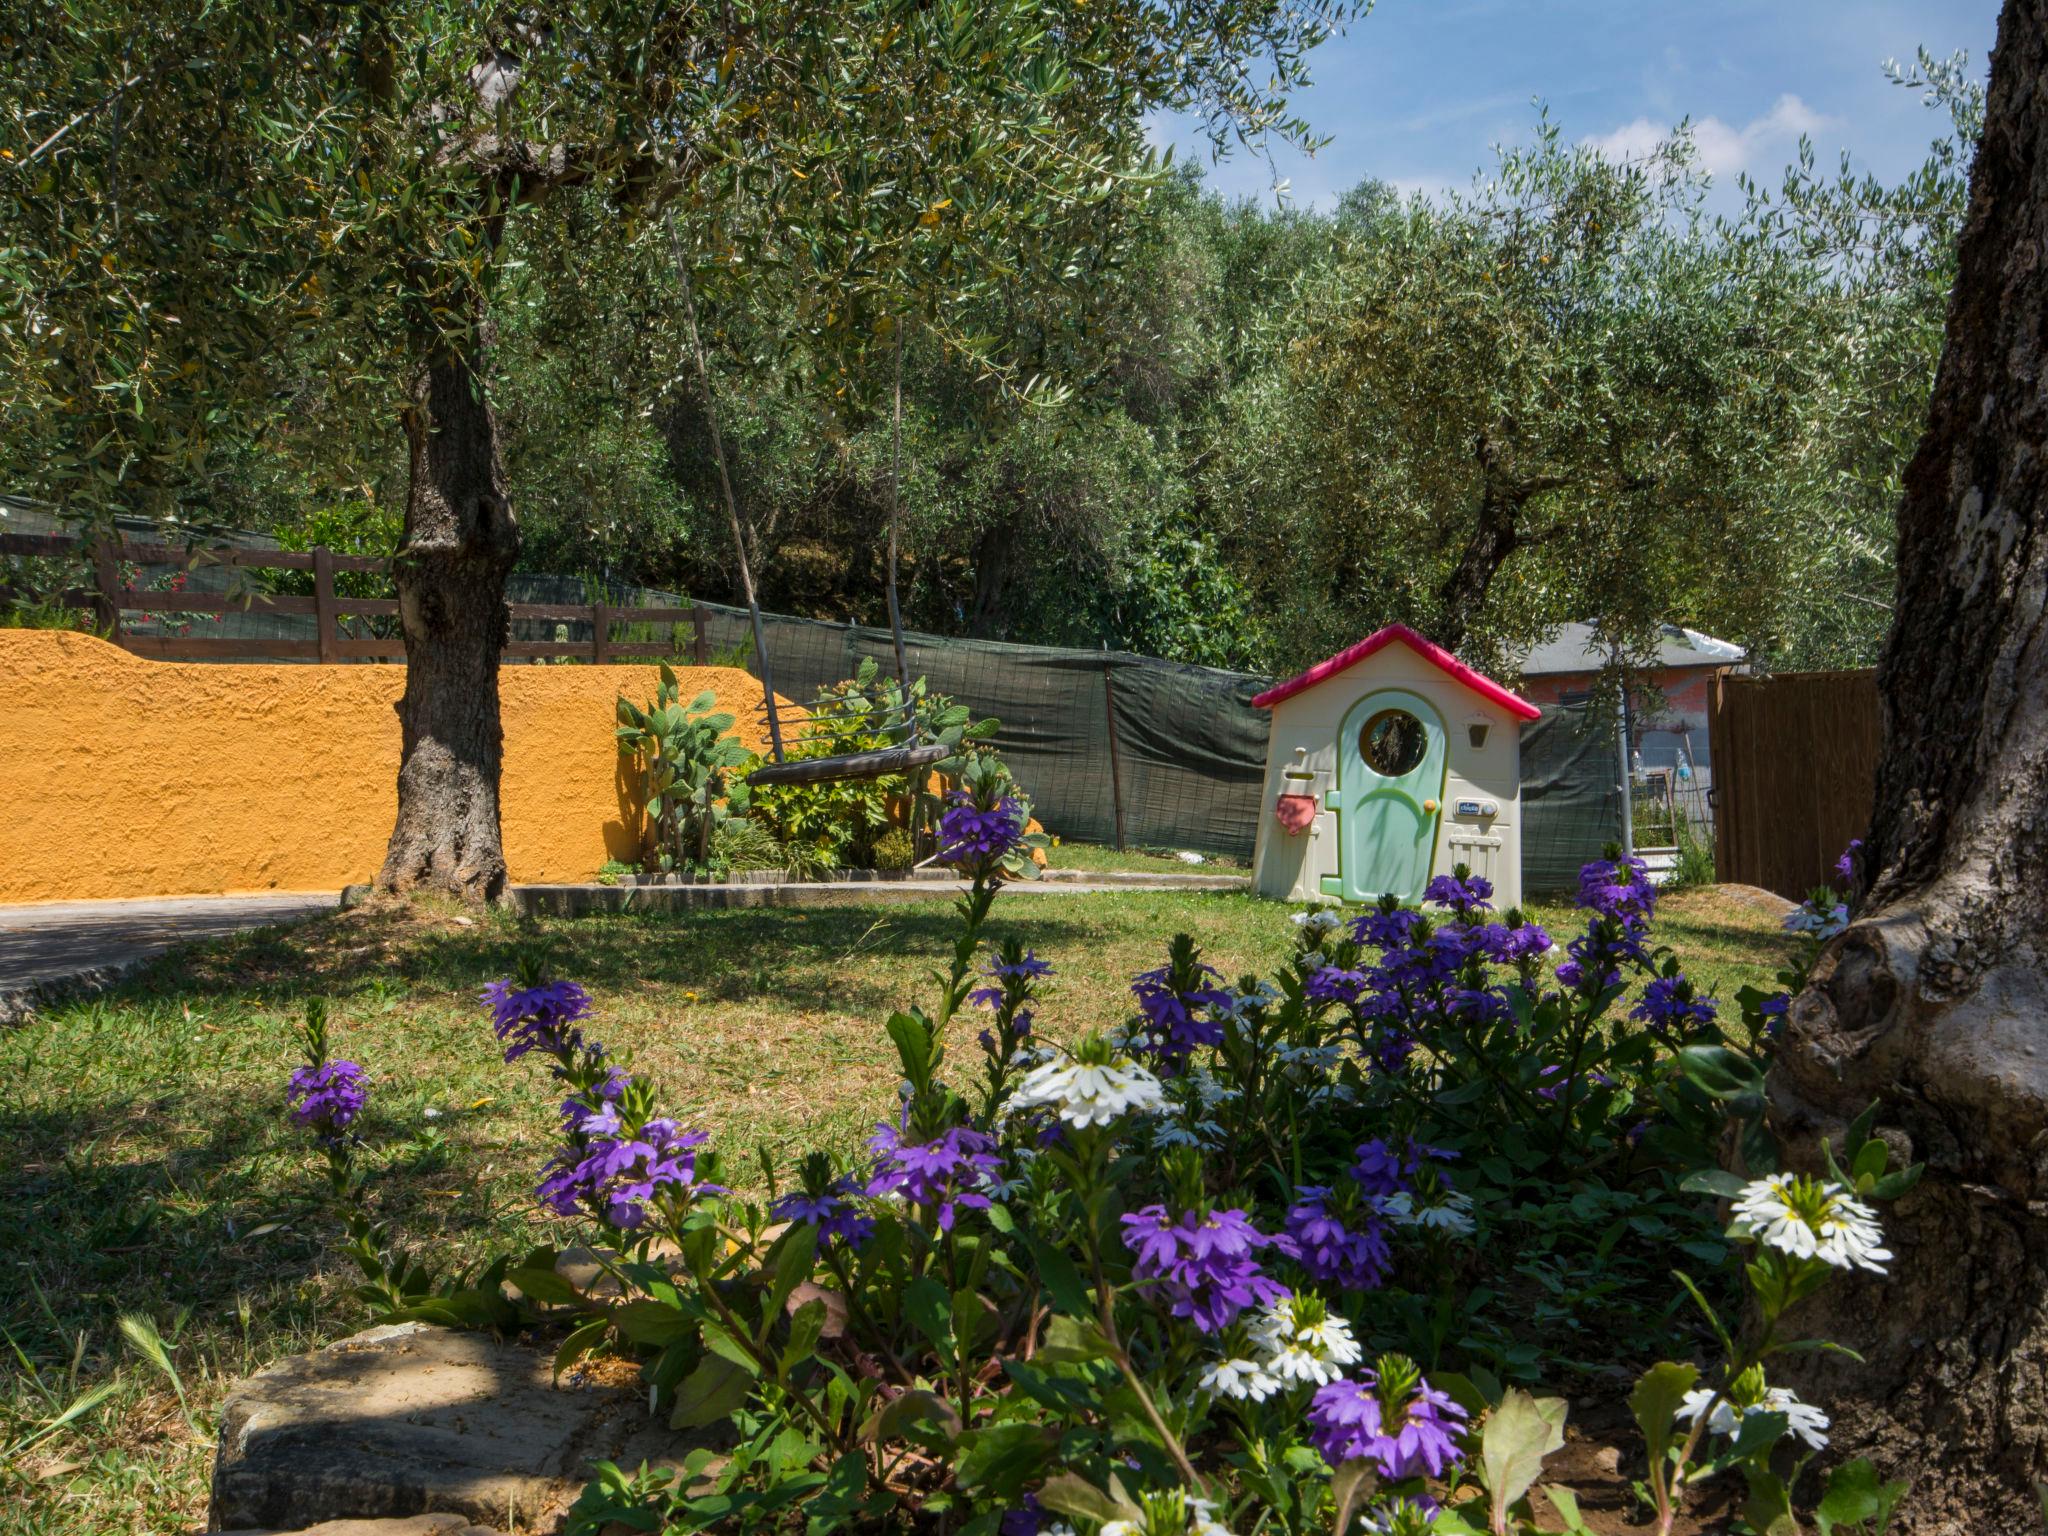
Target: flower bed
column 1297, row 1251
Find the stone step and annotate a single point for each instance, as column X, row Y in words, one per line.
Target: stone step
column 411, row 1420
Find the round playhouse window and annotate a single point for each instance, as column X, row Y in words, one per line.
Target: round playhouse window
column 1393, row 743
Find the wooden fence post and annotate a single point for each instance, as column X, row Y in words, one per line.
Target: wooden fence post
column 601, row 633
column 700, row 623
column 326, row 622
column 106, row 576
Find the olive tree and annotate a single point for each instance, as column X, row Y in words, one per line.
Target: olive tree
column 1932, row 1004
column 189, row 191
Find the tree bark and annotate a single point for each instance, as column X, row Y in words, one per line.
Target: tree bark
column 459, row 545
column 1935, row 1003
column 1461, row 599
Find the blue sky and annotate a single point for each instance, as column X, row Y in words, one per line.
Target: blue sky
column 1420, row 91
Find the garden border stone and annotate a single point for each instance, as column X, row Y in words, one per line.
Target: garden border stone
column 581, row 900
column 411, row 1419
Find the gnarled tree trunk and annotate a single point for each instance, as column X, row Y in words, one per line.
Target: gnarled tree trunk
column 1935, row 1002
column 459, row 545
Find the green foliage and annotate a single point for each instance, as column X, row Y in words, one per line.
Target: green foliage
column 742, row 843
column 839, row 822
column 895, row 849
column 1695, row 865
column 687, row 759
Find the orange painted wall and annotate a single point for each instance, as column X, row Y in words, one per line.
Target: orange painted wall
column 126, row 777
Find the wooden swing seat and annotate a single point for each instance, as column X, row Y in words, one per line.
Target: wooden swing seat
column 852, row 765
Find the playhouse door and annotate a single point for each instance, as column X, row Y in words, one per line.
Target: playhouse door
column 1390, row 778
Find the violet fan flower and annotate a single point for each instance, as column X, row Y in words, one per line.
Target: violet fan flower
column 1329, row 1251
column 1464, row 893
column 1671, row 1007
column 541, row 1017
column 977, row 838
column 835, row 1218
column 1204, row 1266
column 326, row 1098
column 1181, row 1008
column 618, row 1178
column 945, row 1173
column 1391, row 1417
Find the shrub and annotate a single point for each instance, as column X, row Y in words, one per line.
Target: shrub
column 1695, row 866
column 841, row 821
column 1278, row 1253
column 895, row 849
column 742, row 843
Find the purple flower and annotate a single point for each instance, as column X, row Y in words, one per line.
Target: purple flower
column 1553, row 1080
column 1392, row 1417
column 1331, row 1252
column 1174, row 1028
column 836, row 1220
column 1464, row 896
column 1528, row 942
column 947, row 1171
column 1381, row 1171
column 1028, row 968
column 1775, row 1010
column 1386, row 928
column 327, row 1097
column 1619, row 890
column 1845, row 866
column 979, row 839
column 1204, row 1266
column 1333, row 984
column 617, row 1177
column 1669, row 1005
column 537, row 1018
column 593, row 1111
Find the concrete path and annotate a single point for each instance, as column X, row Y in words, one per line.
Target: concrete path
column 63, row 944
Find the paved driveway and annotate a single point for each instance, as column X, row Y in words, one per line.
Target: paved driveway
column 55, row 943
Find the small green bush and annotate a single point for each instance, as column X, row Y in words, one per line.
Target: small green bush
column 1695, row 866
column 743, row 843
column 895, row 849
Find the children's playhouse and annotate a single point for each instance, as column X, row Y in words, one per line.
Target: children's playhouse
column 1388, row 763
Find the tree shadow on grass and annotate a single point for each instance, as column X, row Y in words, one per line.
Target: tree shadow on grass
column 800, row 957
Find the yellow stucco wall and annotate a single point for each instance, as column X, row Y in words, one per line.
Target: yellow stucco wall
column 126, row 777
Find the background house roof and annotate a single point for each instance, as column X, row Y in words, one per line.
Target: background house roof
column 1579, row 648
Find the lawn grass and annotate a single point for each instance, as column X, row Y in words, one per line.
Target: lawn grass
column 149, row 1168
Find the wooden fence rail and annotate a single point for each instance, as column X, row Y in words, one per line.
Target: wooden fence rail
column 109, row 597
column 1795, row 774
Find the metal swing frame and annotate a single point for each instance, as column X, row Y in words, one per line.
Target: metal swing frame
column 878, row 762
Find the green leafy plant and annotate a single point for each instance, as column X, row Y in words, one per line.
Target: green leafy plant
column 842, row 821
column 895, row 849
column 687, row 758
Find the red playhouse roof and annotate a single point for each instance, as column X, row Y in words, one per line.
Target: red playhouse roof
column 1436, row 655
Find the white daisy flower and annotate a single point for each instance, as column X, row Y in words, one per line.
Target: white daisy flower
column 1319, row 923
column 1448, row 1211
column 1812, row 1219
column 1803, row 1420
column 1087, row 1092
column 1171, row 1512
column 1301, row 1342
column 1245, row 1380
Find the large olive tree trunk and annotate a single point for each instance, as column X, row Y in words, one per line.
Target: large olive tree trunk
column 1935, row 1002
column 459, row 544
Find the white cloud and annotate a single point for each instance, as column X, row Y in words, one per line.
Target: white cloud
column 1723, row 150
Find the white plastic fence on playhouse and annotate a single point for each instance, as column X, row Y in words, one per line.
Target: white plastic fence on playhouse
column 1391, row 762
